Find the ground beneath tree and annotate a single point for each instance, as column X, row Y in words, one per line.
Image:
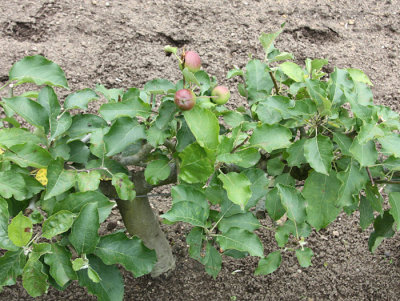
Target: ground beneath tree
column 120, row 44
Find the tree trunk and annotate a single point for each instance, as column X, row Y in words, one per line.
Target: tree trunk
column 140, row 220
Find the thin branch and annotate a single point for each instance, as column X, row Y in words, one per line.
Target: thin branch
column 379, row 181
column 370, row 176
column 275, row 83
column 240, row 144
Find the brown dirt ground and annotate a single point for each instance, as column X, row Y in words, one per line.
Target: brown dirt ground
column 120, row 44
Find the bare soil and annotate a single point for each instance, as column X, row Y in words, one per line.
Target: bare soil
column 120, row 44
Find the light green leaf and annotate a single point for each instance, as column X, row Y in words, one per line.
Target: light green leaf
column 79, row 264
column 258, row 81
column 92, row 274
column 238, row 187
column 196, row 165
column 359, row 76
column 259, row 185
column 28, row 154
column 369, row 131
column 293, row 71
column 269, row 264
column 30, row 110
column 390, row 144
column 241, row 240
column 392, row 163
column 111, row 111
column 304, row 257
column 124, row 186
column 80, row 99
column 124, row 132
column 88, row 181
column 274, row 109
column 365, row 154
column 234, row 72
column 159, row 86
column 112, row 95
column 338, row 80
column 39, row 70
column 204, row 126
column 296, row 153
column 117, row 248
column 157, row 170
column 319, row 153
column 59, row 261
column 267, row 40
column 48, row 99
column 321, row 194
column 5, row 242
column 271, row 137
column 57, row 223
column 12, row 184
column 20, row 230
column 59, row 179
column 84, row 233
column 394, row 201
column 60, row 126
column 190, row 77
column 111, row 286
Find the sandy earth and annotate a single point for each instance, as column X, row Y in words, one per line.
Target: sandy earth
column 120, row 44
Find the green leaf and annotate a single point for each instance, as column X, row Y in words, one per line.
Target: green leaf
column 293, row 202
column 374, row 197
column 124, row 186
column 267, row 40
column 274, row 109
column 365, row 154
column 269, row 264
column 338, row 80
column 394, row 201
column 273, row 204
column 159, row 86
column 92, row 274
column 383, row 226
column 84, row 233
column 80, row 264
column 196, row 165
column 293, row 71
column 298, row 230
column 30, row 110
column 117, row 248
column 59, row 179
column 157, row 170
column 271, row 137
column 392, row 163
column 156, row 137
column 83, row 124
column 28, row 154
column 258, row 81
column 57, row 223
column 212, row 260
column 321, row 192
column 369, row 131
column 39, row 70
column 88, row 181
column 190, row 77
column 275, row 166
column 317, row 91
column 296, row 153
column 233, row 118
column 75, row 201
column 79, row 152
column 5, row 242
column 246, row 221
column 11, row 266
column 111, row 286
column 244, row 157
column 319, row 153
column 366, row 213
column 259, row 184
column 204, row 126
column 234, row 72
column 124, row 132
column 48, row 99
column 359, row 76
column 188, row 205
column 344, row 143
column 194, row 240
column 241, row 240
column 184, row 137
column 12, row 184
column 111, row 111
column 112, row 95
column 13, row 136
column 80, row 99
column 238, row 187
column 34, row 279
column 20, row 230
column 166, row 113
column 59, row 261
column 304, row 257
column 390, row 144
column 353, row 180
column 59, row 126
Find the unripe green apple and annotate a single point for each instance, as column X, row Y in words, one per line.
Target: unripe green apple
column 221, row 94
column 192, row 61
column 185, row 99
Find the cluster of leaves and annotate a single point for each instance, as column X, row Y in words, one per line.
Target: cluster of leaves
column 308, row 145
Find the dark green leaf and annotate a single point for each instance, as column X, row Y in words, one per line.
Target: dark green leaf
column 296, row 153
column 196, row 165
column 112, row 95
column 394, row 201
column 365, row 154
column 57, row 223
column 353, row 180
column 129, row 252
column 293, row 202
column 80, row 99
column 59, row 261
column 258, row 81
column 11, row 266
column 59, row 126
column 245, row 221
column 59, row 179
column 84, row 233
column 5, row 242
column 194, row 239
column 12, row 184
column 241, row 240
column 319, row 153
column 366, row 213
column 28, row 154
column 304, row 257
column 212, row 260
column 34, row 279
column 383, row 226
column 344, row 143
column 269, row 264
column 271, row 137
column 390, row 144
column 273, row 204
column 159, row 86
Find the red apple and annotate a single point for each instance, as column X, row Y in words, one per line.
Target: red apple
column 221, row 95
column 185, row 99
column 192, row 61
